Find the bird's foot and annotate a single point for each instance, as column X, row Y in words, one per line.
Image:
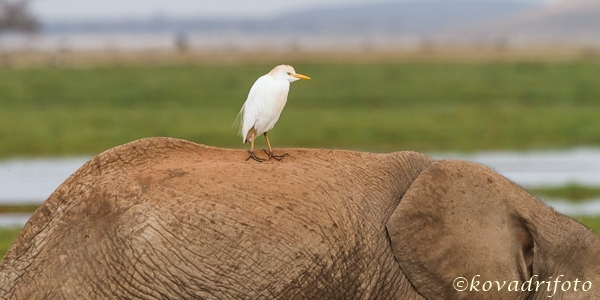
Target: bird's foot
column 277, row 157
column 253, row 156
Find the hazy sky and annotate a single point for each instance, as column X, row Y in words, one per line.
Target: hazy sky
column 55, row 10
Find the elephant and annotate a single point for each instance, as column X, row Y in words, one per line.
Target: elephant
column 164, row 218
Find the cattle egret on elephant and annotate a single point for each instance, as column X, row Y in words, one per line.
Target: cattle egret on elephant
column 264, row 104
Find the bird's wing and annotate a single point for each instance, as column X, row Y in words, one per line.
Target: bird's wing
column 251, row 108
column 257, row 88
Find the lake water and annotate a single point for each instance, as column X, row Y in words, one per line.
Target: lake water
column 24, row 181
column 541, row 168
column 31, row 181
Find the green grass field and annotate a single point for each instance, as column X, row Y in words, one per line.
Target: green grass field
column 421, row 106
column 374, row 107
column 572, row 192
column 7, row 236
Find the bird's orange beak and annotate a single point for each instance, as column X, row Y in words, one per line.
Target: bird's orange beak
column 300, row 76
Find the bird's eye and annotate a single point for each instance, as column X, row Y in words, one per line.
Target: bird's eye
column 289, row 73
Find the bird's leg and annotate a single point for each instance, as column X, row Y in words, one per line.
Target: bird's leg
column 251, row 151
column 270, row 152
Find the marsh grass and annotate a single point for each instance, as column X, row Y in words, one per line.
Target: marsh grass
column 592, row 223
column 28, row 208
column 571, row 192
column 374, row 107
column 7, row 236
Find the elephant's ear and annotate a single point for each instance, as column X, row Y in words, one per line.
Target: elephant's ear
column 454, row 229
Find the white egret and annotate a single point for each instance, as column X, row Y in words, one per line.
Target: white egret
column 264, row 104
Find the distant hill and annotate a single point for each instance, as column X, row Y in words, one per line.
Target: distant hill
column 401, row 18
column 444, row 20
column 572, row 21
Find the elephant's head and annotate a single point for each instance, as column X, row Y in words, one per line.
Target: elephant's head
column 163, row 218
column 462, row 231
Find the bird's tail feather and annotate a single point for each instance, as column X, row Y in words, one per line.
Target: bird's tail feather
column 239, row 120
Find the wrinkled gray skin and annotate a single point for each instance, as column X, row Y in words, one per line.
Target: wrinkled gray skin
column 168, row 219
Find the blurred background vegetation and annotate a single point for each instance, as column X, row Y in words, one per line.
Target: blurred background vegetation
column 389, row 106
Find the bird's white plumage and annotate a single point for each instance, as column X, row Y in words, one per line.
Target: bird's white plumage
column 266, row 99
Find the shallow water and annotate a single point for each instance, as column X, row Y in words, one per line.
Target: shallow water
column 589, row 208
column 541, row 168
column 33, row 180
column 14, row 220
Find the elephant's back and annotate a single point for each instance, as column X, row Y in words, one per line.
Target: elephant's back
column 161, row 206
